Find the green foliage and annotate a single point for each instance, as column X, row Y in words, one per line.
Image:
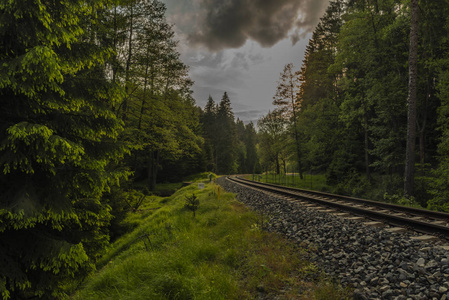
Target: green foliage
column 353, row 86
column 288, row 106
column 59, row 152
column 225, row 148
column 401, row 200
column 192, row 203
column 200, row 177
column 159, row 113
column 274, row 140
column 134, row 198
column 230, row 146
column 353, row 184
column 440, row 183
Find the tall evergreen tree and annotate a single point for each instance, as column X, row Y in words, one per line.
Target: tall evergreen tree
column 241, row 154
column 225, row 149
column 436, row 14
column 250, row 141
column 58, row 145
column 209, row 125
column 319, row 95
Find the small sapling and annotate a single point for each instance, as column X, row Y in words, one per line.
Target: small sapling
column 192, row 203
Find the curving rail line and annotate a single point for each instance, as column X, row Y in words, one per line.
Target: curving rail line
column 421, row 220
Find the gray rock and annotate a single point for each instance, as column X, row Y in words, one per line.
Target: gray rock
column 420, row 262
column 431, row 264
column 382, row 265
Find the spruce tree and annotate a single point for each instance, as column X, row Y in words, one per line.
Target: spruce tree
column 58, row 145
column 209, row 125
column 225, row 149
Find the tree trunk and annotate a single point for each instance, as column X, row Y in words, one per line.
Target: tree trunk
column 152, row 169
column 298, row 147
column 142, row 107
column 114, row 63
column 278, row 167
column 411, row 121
column 422, row 149
column 367, row 161
column 128, row 64
column 284, row 163
column 422, row 139
column 422, row 126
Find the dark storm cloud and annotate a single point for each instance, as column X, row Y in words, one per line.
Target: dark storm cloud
column 224, row 24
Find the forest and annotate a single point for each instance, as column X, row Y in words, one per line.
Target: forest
column 346, row 111
column 97, row 109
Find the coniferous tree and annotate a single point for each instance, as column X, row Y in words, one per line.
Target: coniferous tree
column 225, row 154
column 439, row 62
column 209, row 125
column 250, row 141
column 241, row 152
column 440, row 182
column 319, row 97
column 59, row 145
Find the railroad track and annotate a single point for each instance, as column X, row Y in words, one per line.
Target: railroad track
column 397, row 217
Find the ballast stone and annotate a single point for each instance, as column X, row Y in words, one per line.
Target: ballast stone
column 367, row 258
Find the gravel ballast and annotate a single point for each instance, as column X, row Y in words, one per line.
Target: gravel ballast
column 376, row 263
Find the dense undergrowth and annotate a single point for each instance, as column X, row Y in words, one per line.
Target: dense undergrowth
column 222, row 253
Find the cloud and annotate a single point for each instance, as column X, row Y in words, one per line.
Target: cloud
column 221, row 24
column 250, row 115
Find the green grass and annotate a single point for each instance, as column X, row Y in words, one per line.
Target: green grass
column 220, row 254
column 166, row 189
column 309, row 182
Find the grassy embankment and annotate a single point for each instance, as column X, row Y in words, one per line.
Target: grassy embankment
column 220, row 254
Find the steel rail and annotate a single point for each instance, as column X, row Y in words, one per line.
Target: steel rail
column 417, row 225
column 395, row 207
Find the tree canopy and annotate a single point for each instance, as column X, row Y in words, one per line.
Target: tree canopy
column 352, row 100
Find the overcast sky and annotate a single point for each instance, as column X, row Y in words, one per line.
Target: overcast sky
column 241, row 46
